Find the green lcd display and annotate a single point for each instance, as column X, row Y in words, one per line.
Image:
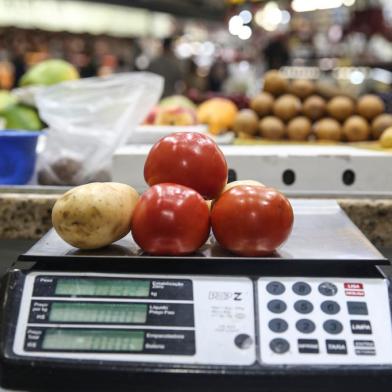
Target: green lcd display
column 90, row 312
column 108, row 340
column 102, row 287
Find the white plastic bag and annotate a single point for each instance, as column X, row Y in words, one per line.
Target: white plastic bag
column 88, row 119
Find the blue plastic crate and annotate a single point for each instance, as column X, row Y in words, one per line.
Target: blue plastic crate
column 17, row 156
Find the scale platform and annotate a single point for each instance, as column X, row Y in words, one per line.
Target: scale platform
column 312, row 317
column 322, row 234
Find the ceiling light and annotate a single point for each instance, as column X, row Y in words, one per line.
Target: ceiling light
column 235, row 24
column 246, row 16
column 313, row 5
column 269, row 17
column 245, row 33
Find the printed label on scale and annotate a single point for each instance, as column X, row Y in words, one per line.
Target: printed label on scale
column 361, row 327
column 353, row 286
column 308, row 346
column 364, row 347
column 336, row 347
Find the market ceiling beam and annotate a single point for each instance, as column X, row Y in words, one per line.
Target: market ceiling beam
column 199, row 9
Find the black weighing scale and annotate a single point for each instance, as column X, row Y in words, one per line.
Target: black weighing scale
column 316, row 316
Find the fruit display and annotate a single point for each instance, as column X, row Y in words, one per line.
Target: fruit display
column 218, row 113
column 18, row 111
column 246, row 122
column 273, row 128
column 380, row 124
column 175, row 116
column 21, row 117
column 370, row 106
column 275, row 83
column 386, row 138
column 302, row 110
column 177, row 101
column 314, row 107
column 262, row 103
column 6, row 100
column 356, row 129
column 286, row 107
column 49, row 72
column 16, row 115
column 302, row 88
column 340, row 108
column 328, row 129
column 299, row 128
column 176, row 214
column 175, row 110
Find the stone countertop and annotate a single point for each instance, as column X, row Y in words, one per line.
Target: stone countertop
column 28, row 215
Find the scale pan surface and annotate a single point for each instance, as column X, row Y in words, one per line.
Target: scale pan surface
column 322, row 233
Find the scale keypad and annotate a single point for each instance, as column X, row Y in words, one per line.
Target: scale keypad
column 322, row 321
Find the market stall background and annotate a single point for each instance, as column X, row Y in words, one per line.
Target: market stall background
column 217, row 49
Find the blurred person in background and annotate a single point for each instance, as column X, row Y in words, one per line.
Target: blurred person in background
column 194, row 80
column 218, row 74
column 276, row 53
column 169, row 67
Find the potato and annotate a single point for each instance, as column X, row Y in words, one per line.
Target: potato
column 246, row 122
column 340, row 108
column 370, row 106
column 299, row 128
column 386, row 138
column 356, row 129
column 328, row 129
column 94, row 215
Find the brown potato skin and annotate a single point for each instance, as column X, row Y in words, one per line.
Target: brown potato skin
column 370, row 106
column 272, row 128
column 262, row 103
column 328, row 129
column 314, row 107
column 356, row 129
column 299, row 128
column 340, row 108
column 275, row 82
column 380, row 124
column 287, row 106
column 302, row 88
column 246, row 122
column 94, row 215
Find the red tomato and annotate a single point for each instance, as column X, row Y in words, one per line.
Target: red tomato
column 251, row 220
column 170, row 219
column 188, row 158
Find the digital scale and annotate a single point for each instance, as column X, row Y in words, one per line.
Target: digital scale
column 314, row 316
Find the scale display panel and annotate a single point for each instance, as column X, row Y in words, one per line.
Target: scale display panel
column 163, row 319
